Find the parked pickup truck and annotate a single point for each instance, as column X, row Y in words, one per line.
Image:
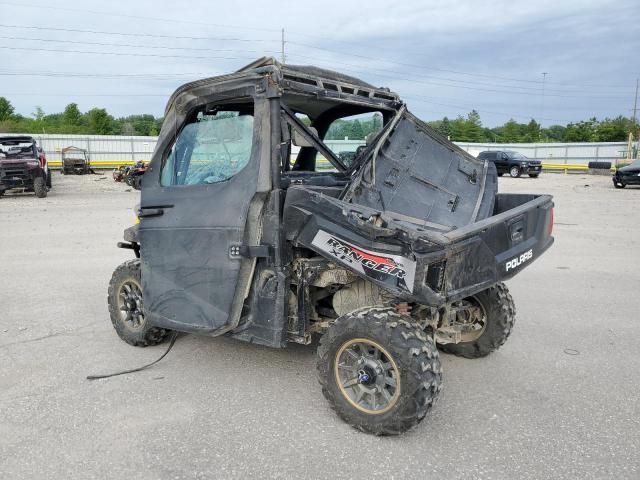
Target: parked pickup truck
column 403, row 249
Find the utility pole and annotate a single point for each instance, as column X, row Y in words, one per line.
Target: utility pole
column 634, row 128
column 284, row 58
column 544, row 80
column 635, row 107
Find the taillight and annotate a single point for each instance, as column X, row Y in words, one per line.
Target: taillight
column 550, row 227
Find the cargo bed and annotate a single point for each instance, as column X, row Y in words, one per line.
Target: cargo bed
column 439, row 266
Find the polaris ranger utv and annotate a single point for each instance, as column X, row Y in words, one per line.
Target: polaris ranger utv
column 401, row 251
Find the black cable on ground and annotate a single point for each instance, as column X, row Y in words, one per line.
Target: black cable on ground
column 124, row 372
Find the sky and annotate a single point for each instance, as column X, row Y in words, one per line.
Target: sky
column 443, row 58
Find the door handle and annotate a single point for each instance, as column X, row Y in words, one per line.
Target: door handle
column 152, row 211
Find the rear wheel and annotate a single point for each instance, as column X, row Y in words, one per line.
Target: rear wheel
column 379, row 371
column 486, row 322
column 534, row 175
column 40, row 187
column 49, row 179
column 514, row 171
column 500, row 174
column 126, row 307
column 619, row 185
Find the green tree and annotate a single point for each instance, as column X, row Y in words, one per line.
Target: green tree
column 510, row 132
column 583, row 131
column 456, row 129
column 532, row 132
column 444, row 128
column 6, row 109
column 554, row 133
column 613, row 130
column 72, row 115
column 473, row 127
column 100, row 122
column 357, row 133
column 38, row 121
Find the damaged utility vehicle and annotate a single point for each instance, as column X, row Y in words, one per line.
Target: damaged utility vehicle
column 23, row 166
column 401, row 251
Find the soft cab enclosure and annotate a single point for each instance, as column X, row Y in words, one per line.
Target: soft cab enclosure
column 225, row 212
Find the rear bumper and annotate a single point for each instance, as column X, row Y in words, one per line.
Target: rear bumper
column 466, row 269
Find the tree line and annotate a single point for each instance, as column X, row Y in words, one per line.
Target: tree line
column 96, row 121
column 469, row 128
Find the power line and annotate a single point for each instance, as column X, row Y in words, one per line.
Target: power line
column 71, row 95
column 105, row 76
column 137, row 17
column 108, row 44
column 377, row 72
column 458, row 72
column 98, row 74
column 304, row 45
column 129, row 34
column 390, row 74
column 174, row 20
column 122, row 53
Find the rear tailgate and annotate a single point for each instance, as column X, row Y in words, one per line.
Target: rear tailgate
column 491, row 250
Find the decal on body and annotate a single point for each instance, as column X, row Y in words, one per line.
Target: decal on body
column 397, row 271
column 516, row 262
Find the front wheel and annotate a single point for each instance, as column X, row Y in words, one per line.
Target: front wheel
column 514, row 172
column 126, row 307
column 486, row 323
column 40, row 187
column 379, row 371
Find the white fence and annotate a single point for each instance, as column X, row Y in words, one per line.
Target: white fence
column 569, row 153
column 104, row 150
column 113, row 150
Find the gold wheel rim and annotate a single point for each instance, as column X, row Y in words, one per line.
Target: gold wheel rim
column 367, row 376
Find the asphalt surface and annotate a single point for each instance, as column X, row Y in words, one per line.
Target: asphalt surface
column 559, row 400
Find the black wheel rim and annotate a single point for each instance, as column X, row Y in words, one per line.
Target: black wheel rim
column 367, row 376
column 130, row 304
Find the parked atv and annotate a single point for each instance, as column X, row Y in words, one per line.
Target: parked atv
column 404, row 249
column 133, row 176
column 23, row 166
column 120, row 172
column 75, row 161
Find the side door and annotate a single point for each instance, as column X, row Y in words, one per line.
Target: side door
column 200, row 203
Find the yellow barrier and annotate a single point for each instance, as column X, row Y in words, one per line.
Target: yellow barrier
column 98, row 163
column 321, row 163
